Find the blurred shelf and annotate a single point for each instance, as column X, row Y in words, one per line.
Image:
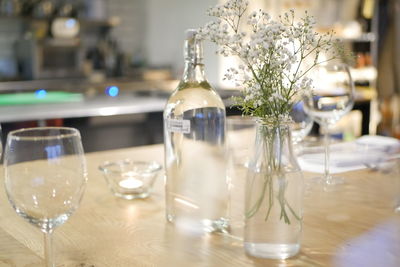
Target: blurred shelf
column 364, row 74
column 85, row 22
column 363, row 37
column 365, row 93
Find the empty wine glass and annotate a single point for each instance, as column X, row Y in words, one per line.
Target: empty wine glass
column 45, row 177
column 331, row 98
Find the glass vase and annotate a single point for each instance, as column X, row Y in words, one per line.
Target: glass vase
column 274, row 195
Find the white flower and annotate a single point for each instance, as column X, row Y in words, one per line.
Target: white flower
column 272, row 54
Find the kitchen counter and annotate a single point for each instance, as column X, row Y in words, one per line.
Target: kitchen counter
column 88, row 107
column 134, row 97
column 84, row 85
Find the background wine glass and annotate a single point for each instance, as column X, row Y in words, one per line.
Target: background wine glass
column 45, row 177
column 331, row 98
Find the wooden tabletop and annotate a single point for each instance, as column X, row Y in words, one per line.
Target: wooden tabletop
column 354, row 225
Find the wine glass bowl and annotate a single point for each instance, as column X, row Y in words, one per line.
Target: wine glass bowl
column 331, row 98
column 45, row 176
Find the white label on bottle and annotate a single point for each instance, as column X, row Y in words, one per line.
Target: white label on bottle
column 178, row 126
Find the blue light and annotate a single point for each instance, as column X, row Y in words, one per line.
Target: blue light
column 41, row 93
column 53, row 151
column 112, row 91
column 70, row 23
column 298, row 106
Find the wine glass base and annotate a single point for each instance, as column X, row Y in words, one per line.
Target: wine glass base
column 329, row 180
column 321, row 183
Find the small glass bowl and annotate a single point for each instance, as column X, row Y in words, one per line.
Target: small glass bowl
column 130, row 179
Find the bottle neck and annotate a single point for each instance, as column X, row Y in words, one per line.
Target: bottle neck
column 193, row 72
column 194, row 67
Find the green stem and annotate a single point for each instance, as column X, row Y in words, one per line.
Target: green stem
column 292, row 211
column 250, row 213
column 258, row 203
column 272, row 152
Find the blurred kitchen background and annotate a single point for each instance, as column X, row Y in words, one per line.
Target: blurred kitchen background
column 107, row 67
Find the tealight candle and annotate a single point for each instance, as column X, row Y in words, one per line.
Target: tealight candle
column 130, row 183
column 130, row 179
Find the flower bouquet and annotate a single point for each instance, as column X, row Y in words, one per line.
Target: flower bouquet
column 275, row 57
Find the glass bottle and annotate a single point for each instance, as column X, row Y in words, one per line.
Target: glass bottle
column 194, row 139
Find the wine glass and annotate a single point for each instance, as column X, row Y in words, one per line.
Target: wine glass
column 45, row 177
column 331, row 98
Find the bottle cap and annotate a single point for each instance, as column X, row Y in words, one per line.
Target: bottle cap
column 190, row 33
column 193, row 50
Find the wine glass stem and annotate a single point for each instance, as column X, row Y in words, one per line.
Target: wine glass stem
column 326, row 144
column 48, row 249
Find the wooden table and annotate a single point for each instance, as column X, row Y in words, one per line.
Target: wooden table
column 352, row 226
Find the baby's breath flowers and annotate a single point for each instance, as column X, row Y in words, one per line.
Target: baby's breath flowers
column 275, row 55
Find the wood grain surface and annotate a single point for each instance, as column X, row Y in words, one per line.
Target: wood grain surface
column 354, row 225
